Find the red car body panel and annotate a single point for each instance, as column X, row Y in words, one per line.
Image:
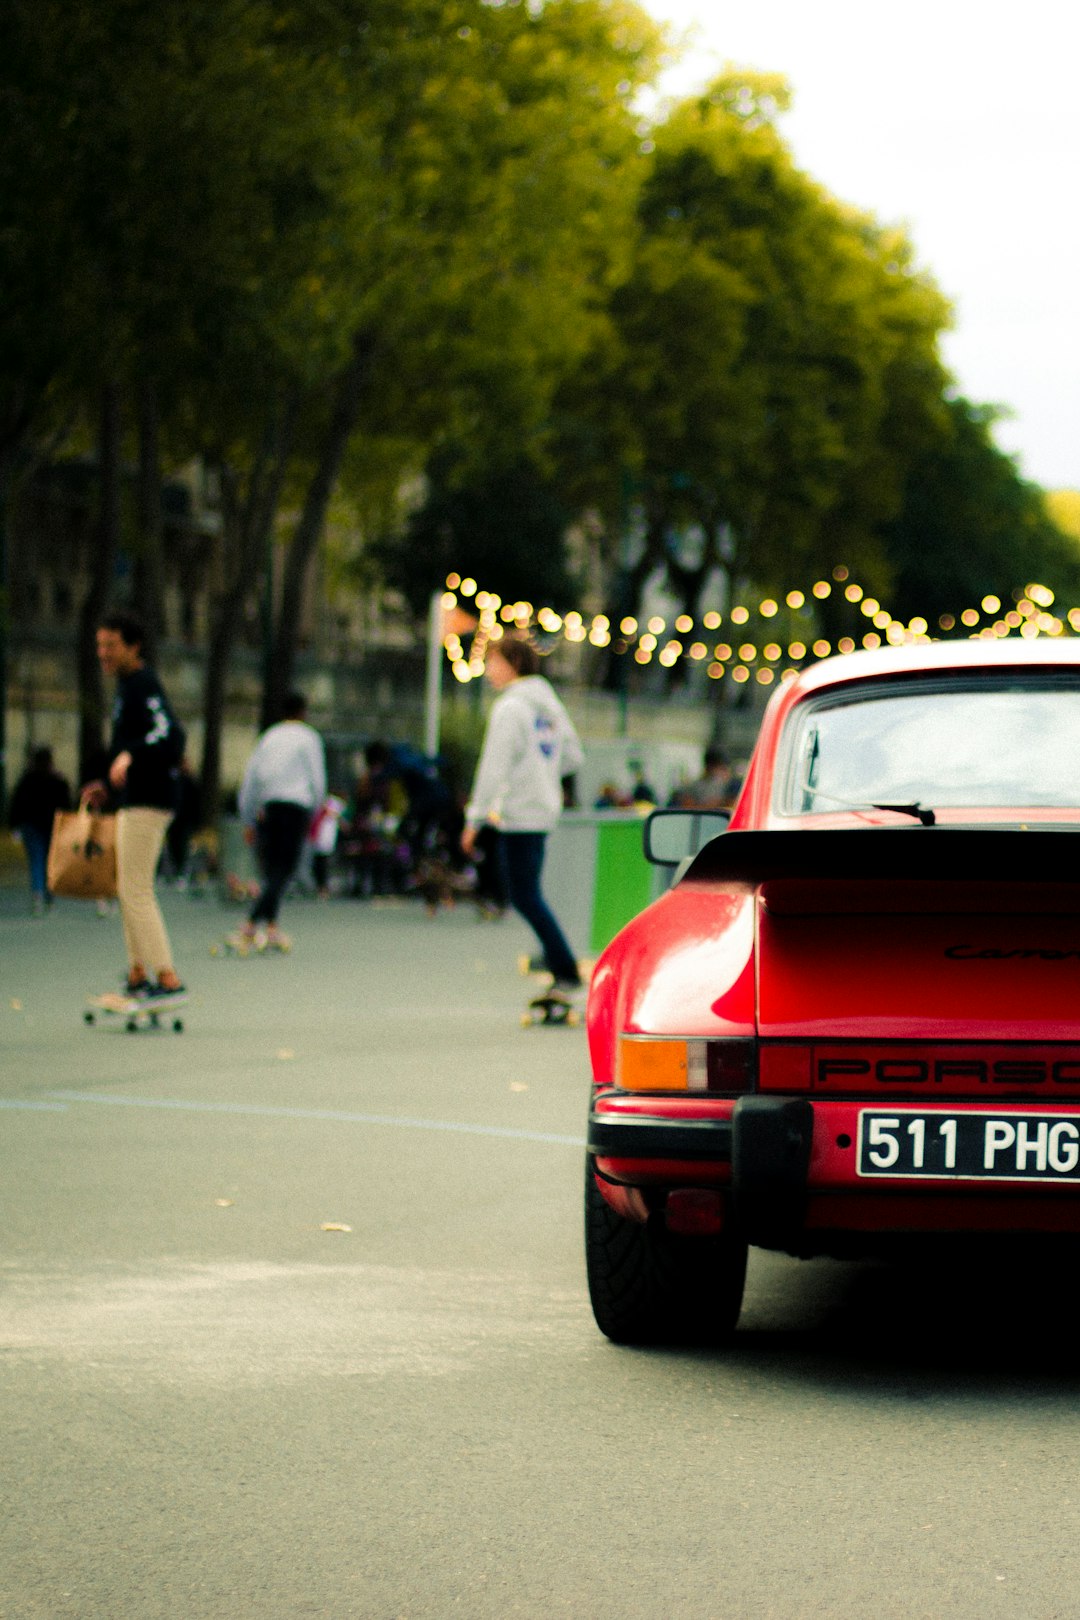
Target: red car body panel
column 912, row 1007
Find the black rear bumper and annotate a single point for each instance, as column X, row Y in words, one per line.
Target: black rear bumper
column 766, row 1142
column 649, row 1136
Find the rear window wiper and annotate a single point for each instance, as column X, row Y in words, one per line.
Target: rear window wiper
column 921, row 812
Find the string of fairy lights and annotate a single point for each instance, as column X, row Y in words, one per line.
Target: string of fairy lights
column 741, row 654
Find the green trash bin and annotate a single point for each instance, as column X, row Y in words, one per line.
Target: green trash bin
column 625, row 882
column 596, row 876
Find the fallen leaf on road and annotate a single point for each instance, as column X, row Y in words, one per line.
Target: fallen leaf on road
column 224, row 1203
column 518, row 1085
column 334, row 1226
column 285, row 1054
column 16, row 1006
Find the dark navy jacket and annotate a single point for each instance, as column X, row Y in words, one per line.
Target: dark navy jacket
column 145, row 726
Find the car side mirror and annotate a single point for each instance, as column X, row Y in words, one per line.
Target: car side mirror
column 674, row 836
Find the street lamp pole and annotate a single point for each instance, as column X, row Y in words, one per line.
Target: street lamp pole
column 433, row 676
column 4, row 622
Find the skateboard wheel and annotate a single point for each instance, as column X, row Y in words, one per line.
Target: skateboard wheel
column 178, row 1026
column 131, row 1026
column 88, row 1018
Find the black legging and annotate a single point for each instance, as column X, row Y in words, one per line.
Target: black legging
column 279, row 842
column 521, row 856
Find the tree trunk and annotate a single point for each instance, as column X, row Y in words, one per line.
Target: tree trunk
column 150, row 558
column 309, row 531
column 249, row 524
column 222, row 637
column 103, row 549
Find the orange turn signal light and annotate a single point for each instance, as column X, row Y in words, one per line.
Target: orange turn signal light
column 661, row 1063
column 725, row 1065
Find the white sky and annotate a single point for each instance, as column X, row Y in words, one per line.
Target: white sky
column 959, row 119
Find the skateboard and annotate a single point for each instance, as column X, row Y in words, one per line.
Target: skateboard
column 532, row 967
column 552, row 1008
column 137, row 1012
column 241, row 944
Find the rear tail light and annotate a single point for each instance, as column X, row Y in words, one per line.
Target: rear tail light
column 733, row 1065
column 676, row 1063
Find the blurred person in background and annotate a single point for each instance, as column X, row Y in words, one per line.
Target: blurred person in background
column 39, row 793
column 716, row 788
column 283, row 786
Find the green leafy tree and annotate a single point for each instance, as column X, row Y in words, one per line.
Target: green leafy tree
column 167, row 194
column 515, row 172
column 771, row 359
column 971, row 526
column 504, row 523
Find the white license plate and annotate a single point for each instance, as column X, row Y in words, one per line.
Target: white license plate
column 982, row 1145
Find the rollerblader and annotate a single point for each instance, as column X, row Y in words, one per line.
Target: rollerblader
column 284, row 784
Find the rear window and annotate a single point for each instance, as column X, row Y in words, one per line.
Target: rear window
column 962, row 742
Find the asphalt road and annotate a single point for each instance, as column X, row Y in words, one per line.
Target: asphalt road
column 212, row 1405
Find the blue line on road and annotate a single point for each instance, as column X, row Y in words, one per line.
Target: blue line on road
column 267, row 1112
column 34, row 1107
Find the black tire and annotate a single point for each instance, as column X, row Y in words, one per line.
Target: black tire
column 651, row 1286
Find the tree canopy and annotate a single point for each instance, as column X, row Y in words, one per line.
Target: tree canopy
column 340, row 246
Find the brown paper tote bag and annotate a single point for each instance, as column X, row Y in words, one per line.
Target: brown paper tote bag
column 82, row 855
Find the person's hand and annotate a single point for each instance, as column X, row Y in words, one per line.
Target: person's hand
column 94, row 795
column 249, row 835
column 468, row 841
column 118, row 770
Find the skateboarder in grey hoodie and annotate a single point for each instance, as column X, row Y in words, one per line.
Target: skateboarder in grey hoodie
column 529, row 746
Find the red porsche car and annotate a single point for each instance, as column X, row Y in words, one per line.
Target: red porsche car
column 854, row 1018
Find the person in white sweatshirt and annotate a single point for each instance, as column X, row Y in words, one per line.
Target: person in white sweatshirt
column 283, row 786
column 529, row 746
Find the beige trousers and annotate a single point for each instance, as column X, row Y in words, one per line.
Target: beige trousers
column 140, row 833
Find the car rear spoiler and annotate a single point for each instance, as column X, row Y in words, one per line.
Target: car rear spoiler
column 891, row 854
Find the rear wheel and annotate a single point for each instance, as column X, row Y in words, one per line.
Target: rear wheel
column 651, row 1286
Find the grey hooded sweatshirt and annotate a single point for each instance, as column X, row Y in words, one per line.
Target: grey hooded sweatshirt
column 530, row 745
